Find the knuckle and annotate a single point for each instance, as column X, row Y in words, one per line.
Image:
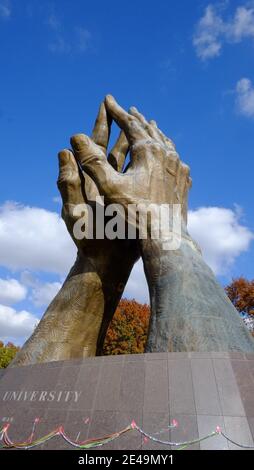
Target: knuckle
column 61, row 181
column 173, row 156
column 170, row 143
column 185, row 169
column 67, row 180
column 134, row 124
column 156, row 146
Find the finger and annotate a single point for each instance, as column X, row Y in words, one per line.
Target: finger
column 101, row 131
column 153, row 131
column 168, row 142
column 84, row 148
column 95, row 164
column 128, row 123
column 154, row 128
column 183, row 180
column 69, row 183
column 139, row 116
column 67, row 164
column 118, row 153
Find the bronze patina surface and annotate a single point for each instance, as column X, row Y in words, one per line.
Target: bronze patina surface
column 76, row 321
column 189, row 309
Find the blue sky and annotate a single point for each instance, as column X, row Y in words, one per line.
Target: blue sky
column 188, row 65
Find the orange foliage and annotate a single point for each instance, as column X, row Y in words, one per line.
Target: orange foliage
column 127, row 331
column 7, row 353
column 241, row 294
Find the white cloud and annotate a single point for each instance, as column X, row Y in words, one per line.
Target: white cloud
column 15, row 324
column 35, row 239
column 207, row 37
column 83, row 39
column 60, row 45
column 249, row 322
column 136, row 287
column 11, row 291
column 53, row 22
column 5, row 9
column 57, row 199
column 42, row 294
column 212, row 30
column 242, row 25
column 65, row 41
column 245, row 97
column 220, row 235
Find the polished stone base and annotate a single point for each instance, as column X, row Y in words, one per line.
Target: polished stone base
column 94, row 397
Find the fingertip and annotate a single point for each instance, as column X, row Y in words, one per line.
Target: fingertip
column 109, row 100
column 102, row 111
column 78, row 141
column 109, row 97
column 133, row 109
column 186, row 169
column 64, row 156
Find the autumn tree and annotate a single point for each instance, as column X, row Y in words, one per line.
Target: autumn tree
column 7, row 353
column 241, row 294
column 127, row 332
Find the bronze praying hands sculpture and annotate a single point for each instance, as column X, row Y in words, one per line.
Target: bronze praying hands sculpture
column 189, row 309
column 76, row 321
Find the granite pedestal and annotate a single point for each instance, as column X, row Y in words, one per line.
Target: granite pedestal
column 94, row 397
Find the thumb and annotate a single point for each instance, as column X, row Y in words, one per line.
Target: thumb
column 95, row 163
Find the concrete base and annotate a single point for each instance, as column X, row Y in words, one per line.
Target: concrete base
column 98, row 396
